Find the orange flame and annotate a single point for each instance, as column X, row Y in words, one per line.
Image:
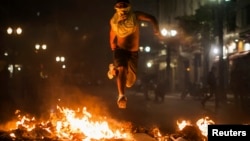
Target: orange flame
column 182, row 124
column 203, row 125
column 68, row 123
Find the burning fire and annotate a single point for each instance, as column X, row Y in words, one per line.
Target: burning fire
column 203, row 125
column 76, row 125
column 67, row 124
column 197, row 132
column 183, row 124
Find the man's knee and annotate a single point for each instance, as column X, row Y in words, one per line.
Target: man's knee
column 121, row 70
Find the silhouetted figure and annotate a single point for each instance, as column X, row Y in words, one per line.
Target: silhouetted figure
column 6, row 103
column 240, row 82
column 124, row 43
column 160, row 91
column 186, row 90
column 212, row 85
column 30, row 82
column 235, row 85
column 4, row 79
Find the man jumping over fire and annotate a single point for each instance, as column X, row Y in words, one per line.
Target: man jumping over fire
column 124, row 42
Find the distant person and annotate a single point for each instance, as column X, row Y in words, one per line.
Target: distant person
column 235, row 82
column 240, row 82
column 160, row 91
column 187, row 89
column 124, row 42
column 212, row 85
column 4, row 79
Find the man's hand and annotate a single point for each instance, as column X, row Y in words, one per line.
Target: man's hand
column 113, row 47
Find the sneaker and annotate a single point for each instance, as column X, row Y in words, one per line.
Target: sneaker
column 131, row 78
column 110, row 72
column 122, row 102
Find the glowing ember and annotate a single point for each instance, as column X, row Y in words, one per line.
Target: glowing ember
column 69, row 125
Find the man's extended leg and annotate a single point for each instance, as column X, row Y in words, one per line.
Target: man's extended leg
column 122, row 60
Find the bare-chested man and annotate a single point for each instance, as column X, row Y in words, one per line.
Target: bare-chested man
column 124, row 42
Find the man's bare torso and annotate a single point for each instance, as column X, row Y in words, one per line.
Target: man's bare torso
column 130, row 42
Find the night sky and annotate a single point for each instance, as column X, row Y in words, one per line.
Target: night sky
column 78, row 29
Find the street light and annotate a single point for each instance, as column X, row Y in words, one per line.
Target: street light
column 168, row 34
column 40, row 50
column 61, row 59
column 147, row 49
column 14, row 52
column 40, row 47
column 219, row 16
column 17, row 30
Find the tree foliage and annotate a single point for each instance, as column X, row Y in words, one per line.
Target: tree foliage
column 195, row 27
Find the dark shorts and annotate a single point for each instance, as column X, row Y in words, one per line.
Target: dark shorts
column 126, row 58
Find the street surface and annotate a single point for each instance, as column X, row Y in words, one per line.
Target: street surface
column 149, row 114
column 143, row 114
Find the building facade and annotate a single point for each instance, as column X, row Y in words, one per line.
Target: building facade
column 235, row 38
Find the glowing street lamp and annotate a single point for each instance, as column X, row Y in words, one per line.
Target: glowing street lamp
column 147, row 49
column 40, row 46
column 14, row 31
column 216, row 51
column 61, row 59
column 149, row 64
column 168, row 34
column 11, row 30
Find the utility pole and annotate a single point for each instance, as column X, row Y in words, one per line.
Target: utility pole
column 168, row 68
column 220, row 16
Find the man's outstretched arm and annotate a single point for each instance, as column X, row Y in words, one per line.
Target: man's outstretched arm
column 151, row 19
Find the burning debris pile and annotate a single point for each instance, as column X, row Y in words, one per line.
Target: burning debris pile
column 66, row 124
column 185, row 132
column 80, row 125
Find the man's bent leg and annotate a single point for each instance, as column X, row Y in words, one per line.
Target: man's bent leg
column 121, row 82
column 131, row 78
column 131, row 74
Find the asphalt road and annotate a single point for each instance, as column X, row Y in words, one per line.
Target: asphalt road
column 149, row 114
column 141, row 113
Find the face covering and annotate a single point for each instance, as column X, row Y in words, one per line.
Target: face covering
column 123, row 12
column 123, row 23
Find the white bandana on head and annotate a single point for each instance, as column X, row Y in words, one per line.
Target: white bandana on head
column 123, row 27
